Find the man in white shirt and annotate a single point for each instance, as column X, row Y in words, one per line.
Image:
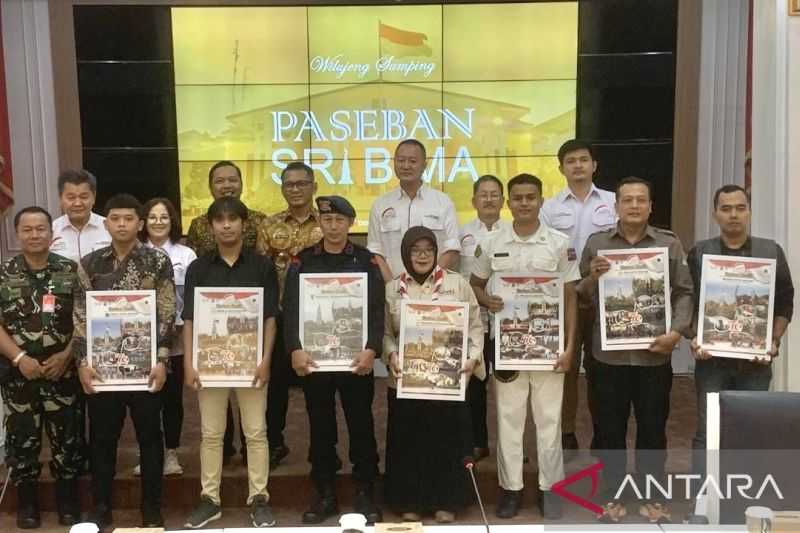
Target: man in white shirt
column 578, row 210
column 487, row 199
column 412, row 204
column 527, row 245
column 78, row 231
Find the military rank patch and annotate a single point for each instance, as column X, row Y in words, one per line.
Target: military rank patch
column 478, row 251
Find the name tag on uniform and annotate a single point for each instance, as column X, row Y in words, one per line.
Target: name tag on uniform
column 501, row 254
column 49, row 303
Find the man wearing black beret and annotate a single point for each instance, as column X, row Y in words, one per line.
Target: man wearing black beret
column 337, row 254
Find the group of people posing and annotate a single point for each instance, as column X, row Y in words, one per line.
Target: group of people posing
column 415, row 250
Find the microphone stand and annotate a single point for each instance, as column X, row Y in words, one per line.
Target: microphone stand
column 11, row 462
column 469, row 464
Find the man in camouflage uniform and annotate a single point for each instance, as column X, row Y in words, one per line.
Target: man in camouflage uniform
column 40, row 386
column 281, row 237
column 224, row 179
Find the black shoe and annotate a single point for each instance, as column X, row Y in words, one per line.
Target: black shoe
column 101, row 516
column 205, row 512
column 509, row 504
column 569, row 443
column 261, row 513
column 28, row 505
column 276, row 455
column 324, row 506
column 550, row 504
column 152, row 518
column 364, row 504
column 68, row 502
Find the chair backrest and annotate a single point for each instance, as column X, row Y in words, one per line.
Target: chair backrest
column 759, row 435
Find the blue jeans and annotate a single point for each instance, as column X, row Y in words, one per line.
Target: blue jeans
column 720, row 374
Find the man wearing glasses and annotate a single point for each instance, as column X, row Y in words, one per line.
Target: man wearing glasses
column 487, row 199
column 281, row 237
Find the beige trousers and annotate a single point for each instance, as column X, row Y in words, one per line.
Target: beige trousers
column 252, row 406
column 545, row 390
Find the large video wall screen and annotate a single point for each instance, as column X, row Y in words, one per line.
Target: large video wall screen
column 487, row 88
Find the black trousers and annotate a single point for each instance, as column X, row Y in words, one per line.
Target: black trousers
column 647, row 390
column 172, row 408
column 281, row 376
column 476, row 398
column 107, row 412
column 356, row 394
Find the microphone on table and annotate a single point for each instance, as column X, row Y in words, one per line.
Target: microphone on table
column 469, row 465
column 11, row 463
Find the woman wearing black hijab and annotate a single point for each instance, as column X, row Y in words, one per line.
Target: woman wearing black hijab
column 427, row 440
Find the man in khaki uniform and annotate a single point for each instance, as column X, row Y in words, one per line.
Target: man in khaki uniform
column 282, row 236
column 638, row 379
column 528, row 246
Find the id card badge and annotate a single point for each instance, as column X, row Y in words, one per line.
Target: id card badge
column 48, row 303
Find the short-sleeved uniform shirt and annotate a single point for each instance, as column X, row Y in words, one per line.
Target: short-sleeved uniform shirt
column 545, row 250
column 577, row 219
column 22, row 309
column 74, row 243
column 470, row 234
column 504, row 251
column 394, row 212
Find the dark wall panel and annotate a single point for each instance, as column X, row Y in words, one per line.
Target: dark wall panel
column 127, row 100
column 626, row 92
column 123, row 33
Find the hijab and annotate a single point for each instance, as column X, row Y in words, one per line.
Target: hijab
column 412, row 236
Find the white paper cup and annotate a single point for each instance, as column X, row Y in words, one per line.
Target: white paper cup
column 353, row 522
column 84, row 527
column 758, row 519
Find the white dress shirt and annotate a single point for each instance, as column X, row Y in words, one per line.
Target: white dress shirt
column 577, row 219
column 73, row 243
column 394, row 212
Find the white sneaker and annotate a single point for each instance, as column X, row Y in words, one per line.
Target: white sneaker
column 172, row 467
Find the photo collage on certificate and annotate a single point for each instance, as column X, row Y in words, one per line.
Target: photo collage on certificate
column 121, row 338
column 634, row 298
column 228, row 335
column 527, row 332
column 736, row 306
column 433, row 350
column 333, row 318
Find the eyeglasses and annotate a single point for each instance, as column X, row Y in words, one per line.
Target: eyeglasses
column 419, row 252
column 299, row 185
column 160, row 219
column 494, row 196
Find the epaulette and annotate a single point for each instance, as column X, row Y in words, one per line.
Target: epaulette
column 665, row 231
